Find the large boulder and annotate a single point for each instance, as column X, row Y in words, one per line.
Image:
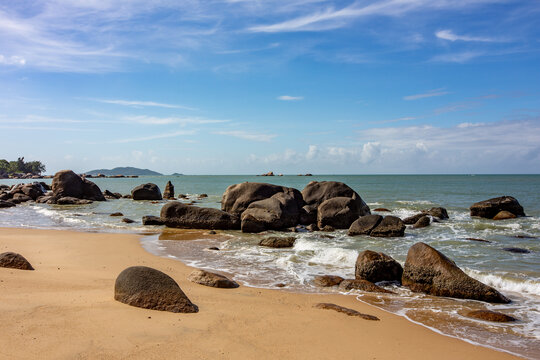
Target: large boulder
column 377, row 266
column 338, row 212
column 491, row 207
column 146, row 192
column 238, row 197
column 149, row 288
column 364, row 225
column 211, row 279
column 169, row 191
column 390, row 226
column 14, row 261
column 278, row 212
column 429, row 271
column 68, row 184
column 177, row 215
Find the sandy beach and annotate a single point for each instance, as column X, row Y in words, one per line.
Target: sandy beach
column 65, row 310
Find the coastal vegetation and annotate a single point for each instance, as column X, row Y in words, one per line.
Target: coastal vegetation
column 21, row 167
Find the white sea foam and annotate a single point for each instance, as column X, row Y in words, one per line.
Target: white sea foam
column 531, row 287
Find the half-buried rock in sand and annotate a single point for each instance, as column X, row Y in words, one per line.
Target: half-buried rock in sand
column 429, row 271
column 149, row 288
column 207, row 278
column 14, row 261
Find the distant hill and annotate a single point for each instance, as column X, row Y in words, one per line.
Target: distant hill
column 177, row 174
column 122, row 171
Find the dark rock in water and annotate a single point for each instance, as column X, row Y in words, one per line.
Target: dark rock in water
column 213, row 248
column 423, row 222
column 525, row 237
column 149, row 288
column 117, row 214
column 315, row 193
column 278, row 242
column 480, row 240
column 146, row 192
column 278, row 212
column 69, row 200
column 375, row 267
column 327, row 280
column 411, row 220
column 308, row 215
column 280, row 285
column 312, row 227
column 382, row 210
column 169, row 191
column 46, row 199
column 429, row 271
column 489, row 208
column 363, row 285
column 178, row 215
column 211, row 279
column 128, row 221
column 338, row 212
column 4, row 196
column 516, row 250
column 364, row 225
column 438, row 212
column 237, row 198
column 127, row 196
column 14, row 261
column 202, row 196
column 390, row 226
column 504, row 215
column 152, row 220
column 328, row 228
column 111, row 195
column 212, row 232
column 21, row 197
column 6, row 204
column 346, row 311
column 489, row 315
column 68, row 184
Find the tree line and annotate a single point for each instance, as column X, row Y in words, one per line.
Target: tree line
column 22, row 167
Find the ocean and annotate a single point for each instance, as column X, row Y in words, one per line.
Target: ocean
column 516, row 275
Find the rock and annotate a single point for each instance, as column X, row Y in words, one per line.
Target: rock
column 212, row 232
column 438, row 212
column 390, row 226
column 33, row 190
column 338, row 212
column 149, row 288
column 516, row 250
column 429, row 271
column 6, row 204
column 270, row 173
column 169, row 191
column 278, row 242
column 202, row 196
column 213, row 248
column 364, row 225
column 278, row 212
column 237, row 198
column 308, row 215
column 344, row 310
column 411, row 220
column 328, row 228
column 178, row 215
column 21, row 197
column 127, row 196
column 363, row 285
column 14, row 261
column 69, row 200
column 312, row 227
column 280, row 285
column 4, row 196
column 377, row 266
column 68, row 184
column 211, row 279
column 491, row 207
column 315, row 193
column 382, row 210
column 117, row 214
column 152, row 220
column 111, row 195
column 480, row 240
column 327, row 280
column 146, row 192
column 423, row 222
column 504, row 215
column 128, row 221
column 489, row 315
column 45, row 199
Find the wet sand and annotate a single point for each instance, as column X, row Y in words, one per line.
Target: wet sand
column 65, row 309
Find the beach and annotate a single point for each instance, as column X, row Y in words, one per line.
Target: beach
column 65, row 309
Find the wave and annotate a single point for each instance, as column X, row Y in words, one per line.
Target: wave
column 526, row 286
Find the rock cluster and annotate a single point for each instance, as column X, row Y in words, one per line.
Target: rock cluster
column 377, row 225
column 504, row 207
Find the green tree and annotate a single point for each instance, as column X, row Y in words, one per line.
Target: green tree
column 4, row 166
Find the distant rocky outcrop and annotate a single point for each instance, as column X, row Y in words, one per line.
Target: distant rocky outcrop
column 377, row 266
column 68, row 184
column 490, row 208
column 125, row 171
column 178, row 215
column 14, row 261
column 149, row 288
column 148, row 191
column 429, row 271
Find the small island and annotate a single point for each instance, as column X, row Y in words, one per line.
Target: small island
column 122, row 171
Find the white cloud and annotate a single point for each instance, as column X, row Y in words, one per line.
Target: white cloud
column 144, row 104
column 12, row 60
column 247, row 135
column 154, row 137
column 449, row 35
column 152, row 120
column 290, row 98
column 430, row 93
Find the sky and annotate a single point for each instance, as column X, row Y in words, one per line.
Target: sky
column 251, row 86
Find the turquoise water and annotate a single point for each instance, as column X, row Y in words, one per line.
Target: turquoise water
column 516, row 275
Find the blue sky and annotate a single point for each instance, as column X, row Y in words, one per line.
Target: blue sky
column 250, row 86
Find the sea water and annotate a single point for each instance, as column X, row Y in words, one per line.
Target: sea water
column 515, row 275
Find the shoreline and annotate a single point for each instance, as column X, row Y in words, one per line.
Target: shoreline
column 70, row 296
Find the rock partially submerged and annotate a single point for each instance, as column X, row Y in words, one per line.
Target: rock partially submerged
column 68, row 184
column 177, row 215
column 338, row 212
column 429, row 271
column 147, row 191
column 327, row 280
column 278, row 242
column 490, row 208
column 377, row 266
column 14, row 261
column 363, row 285
column 423, row 222
column 390, row 226
column 488, row 315
column 516, row 250
column 207, row 278
column 278, row 212
column 152, row 220
column 169, row 191
column 344, row 310
column 149, row 288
